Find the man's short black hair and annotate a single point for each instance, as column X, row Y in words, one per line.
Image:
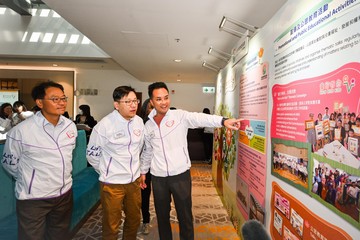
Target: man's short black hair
column 39, row 91
column 156, row 85
column 122, row 91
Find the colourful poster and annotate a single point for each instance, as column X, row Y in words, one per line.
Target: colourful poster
column 299, row 101
column 252, row 139
column 316, row 100
column 291, row 219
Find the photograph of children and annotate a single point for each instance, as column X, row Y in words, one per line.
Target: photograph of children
column 337, row 187
column 290, row 163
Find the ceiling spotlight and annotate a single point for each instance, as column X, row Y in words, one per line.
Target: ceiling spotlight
column 246, row 29
column 177, row 60
column 219, row 54
column 211, row 66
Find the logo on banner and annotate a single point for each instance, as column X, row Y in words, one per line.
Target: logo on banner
column 349, row 84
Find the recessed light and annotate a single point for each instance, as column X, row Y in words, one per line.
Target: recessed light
column 177, row 60
column 55, row 65
column 35, row 37
column 178, row 80
column 2, row 10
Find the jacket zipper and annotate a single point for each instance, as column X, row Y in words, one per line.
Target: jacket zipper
column 31, row 181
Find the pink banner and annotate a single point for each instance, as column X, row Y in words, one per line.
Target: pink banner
column 293, row 102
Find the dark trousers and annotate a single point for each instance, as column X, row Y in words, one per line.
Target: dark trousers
column 179, row 187
column 145, row 199
column 45, row 218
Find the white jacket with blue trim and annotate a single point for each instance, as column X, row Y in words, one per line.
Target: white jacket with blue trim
column 165, row 151
column 114, row 148
column 39, row 156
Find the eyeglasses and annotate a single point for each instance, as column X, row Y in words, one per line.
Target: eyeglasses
column 129, row 102
column 57, row 99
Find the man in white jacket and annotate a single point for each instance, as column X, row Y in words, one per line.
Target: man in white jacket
column 166, row 155
column 38, row 154
column 114, row 151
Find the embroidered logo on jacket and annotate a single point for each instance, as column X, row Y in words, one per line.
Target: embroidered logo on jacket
column 137, row 132
column 170, row 123
column 70, row 134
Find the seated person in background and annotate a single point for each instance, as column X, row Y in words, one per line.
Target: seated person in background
column 6, row 114
column 84, row 120
column 20, row 112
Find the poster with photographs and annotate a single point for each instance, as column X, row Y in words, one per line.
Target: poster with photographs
column 326, row 126
column 319, row 131
column 337, row 134
column 353, row 145
column 297, row 222
column 288, row 235
column 309, row 124
column 282, row 204
column 278, row 222
column 303, row 223
column 356, row 130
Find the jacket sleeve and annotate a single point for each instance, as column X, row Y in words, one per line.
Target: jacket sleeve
column 94, row 149
column 5, row 125
column 11, row 155
column 199, row 120
column 146, row 154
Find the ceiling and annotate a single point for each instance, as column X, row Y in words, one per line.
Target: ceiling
column 145, row 37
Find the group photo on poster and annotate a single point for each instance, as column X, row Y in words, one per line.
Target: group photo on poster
column 290, row 161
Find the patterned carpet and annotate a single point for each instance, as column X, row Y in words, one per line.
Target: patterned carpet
column 211, row 220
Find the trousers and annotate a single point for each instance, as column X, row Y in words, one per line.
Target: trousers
column 179, row 187
column 44, row 218
column 116, row 198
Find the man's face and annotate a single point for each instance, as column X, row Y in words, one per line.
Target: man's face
column 160, row 100
column 127, row 106
column 54, row 102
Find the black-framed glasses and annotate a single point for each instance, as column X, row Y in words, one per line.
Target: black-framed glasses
column 129, row 102
column 57, row 99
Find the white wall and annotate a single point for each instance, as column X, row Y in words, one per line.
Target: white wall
column 186, row 96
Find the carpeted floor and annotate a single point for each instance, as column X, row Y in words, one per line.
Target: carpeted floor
column 211, row 220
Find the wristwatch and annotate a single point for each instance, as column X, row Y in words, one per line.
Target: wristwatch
column 223, row 121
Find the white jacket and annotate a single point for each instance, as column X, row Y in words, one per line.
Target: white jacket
column 39, row 156
column 114, row 148
column 166, row 150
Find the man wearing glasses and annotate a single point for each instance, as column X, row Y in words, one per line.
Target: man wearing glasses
column 38, row 154
column 113, row 150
